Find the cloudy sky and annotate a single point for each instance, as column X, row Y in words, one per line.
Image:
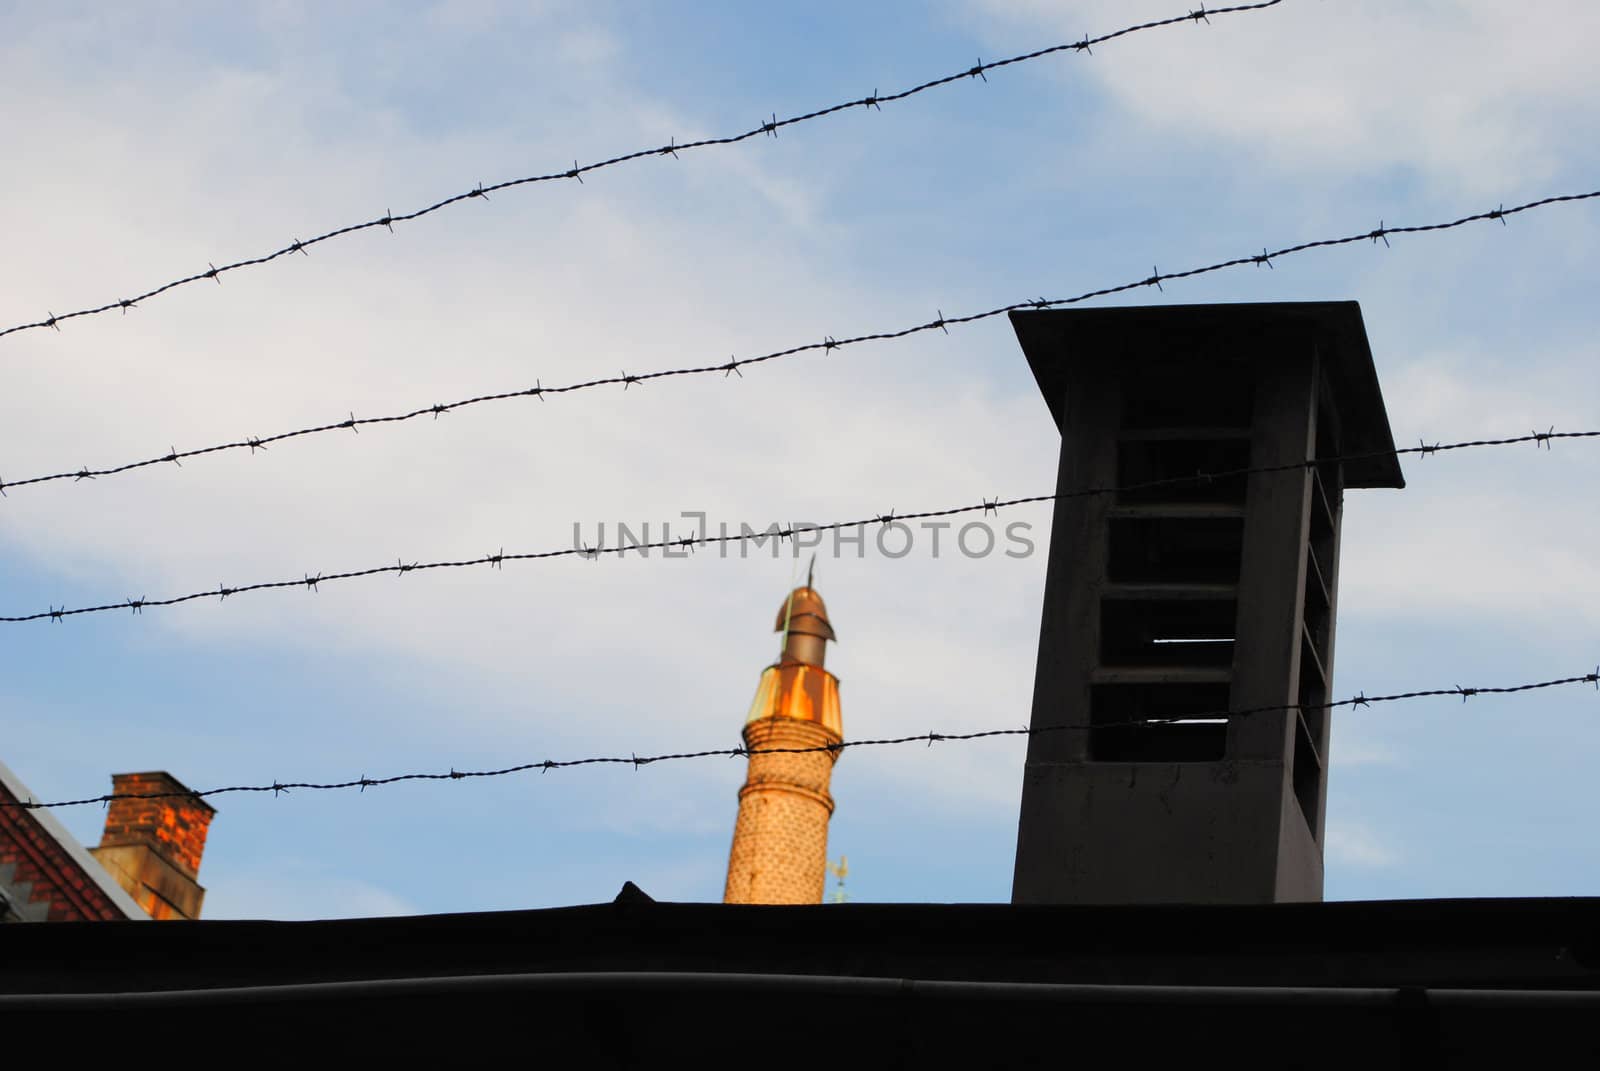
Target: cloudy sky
column 145, row 142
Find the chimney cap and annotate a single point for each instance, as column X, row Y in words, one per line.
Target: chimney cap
column 1054, row 339
column 171, row 788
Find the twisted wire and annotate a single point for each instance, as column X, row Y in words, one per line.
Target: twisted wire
column 687, row 543
column 828, row 344
column 363, row 783
column 672, row 148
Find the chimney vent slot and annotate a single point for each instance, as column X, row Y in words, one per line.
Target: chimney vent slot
column 1158, row 722
column 1166, row 632
column 1175, row 549
column 1186, row 453
column 1307, row 775
column 1185, row 392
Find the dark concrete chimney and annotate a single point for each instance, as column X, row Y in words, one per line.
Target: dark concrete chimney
column 152, row 846
column 1191, row 598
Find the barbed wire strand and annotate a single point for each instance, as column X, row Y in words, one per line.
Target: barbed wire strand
column 929, row 739
column 672, row 148
column 775, row 531
column 828, row 344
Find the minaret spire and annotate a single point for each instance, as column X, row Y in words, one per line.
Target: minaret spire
column 788, row 611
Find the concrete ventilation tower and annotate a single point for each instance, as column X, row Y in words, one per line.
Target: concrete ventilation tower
column 780, row 841
column 1168, row 604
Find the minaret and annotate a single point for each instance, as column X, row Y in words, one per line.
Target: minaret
column 780, row 842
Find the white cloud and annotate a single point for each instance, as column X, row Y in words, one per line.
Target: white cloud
column 1476, row 96
column 1495, row 531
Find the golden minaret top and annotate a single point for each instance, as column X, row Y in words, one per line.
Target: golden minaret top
column 797, row 686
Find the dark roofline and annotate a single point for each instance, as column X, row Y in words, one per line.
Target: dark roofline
column 631, row 983
column 712, row 984
column 1512, row 943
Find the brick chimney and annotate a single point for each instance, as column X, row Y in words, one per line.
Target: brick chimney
column 153, row 846
column 1172, row 602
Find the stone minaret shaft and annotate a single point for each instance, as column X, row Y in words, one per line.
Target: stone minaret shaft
column 780, row 841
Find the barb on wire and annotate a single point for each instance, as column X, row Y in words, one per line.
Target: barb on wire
column 982, row 506
column 672, row 148
column 828, row 344
column 927, row 739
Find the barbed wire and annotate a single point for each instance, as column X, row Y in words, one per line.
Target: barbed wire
column 828, row 344
column 688, row 543
column 929, row 738
column 770, row 128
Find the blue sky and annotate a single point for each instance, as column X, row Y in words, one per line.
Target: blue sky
column 147, row 144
